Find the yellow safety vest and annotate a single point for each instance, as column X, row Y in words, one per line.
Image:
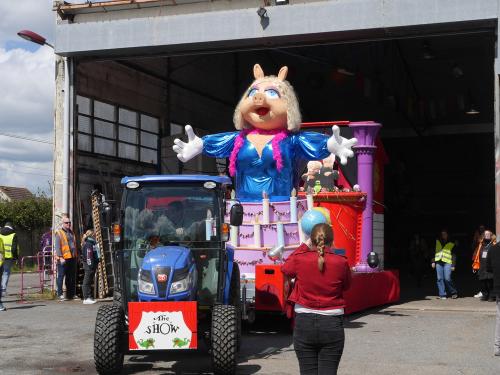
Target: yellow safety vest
column 2, row 252
column 64, row 243
column 444, row 253
column 7, row 244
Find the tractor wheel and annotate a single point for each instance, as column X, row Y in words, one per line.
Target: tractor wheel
column 108, row 337
column 235, row 299
column 117, row 298
column 224, row 339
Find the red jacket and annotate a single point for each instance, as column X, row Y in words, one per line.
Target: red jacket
column 315, row 289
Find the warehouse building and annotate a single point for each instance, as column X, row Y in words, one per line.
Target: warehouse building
column 136, row 71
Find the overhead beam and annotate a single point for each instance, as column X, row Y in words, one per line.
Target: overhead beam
column 218, row 24
column 438, row 130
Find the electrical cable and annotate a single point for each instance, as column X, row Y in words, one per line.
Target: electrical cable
column 17, row 171
column 26, row 138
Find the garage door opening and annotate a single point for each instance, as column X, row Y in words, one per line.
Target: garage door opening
column 433, row 95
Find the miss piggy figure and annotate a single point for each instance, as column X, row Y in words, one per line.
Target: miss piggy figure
column 268, row 151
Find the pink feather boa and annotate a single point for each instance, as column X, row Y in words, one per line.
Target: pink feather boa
column 279, row 135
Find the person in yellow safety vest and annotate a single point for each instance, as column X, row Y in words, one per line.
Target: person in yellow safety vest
column 2, row 255
column 9, row 239
column 444, row 263
column 66, row 255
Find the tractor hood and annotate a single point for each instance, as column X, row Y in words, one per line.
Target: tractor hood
column 175, row 257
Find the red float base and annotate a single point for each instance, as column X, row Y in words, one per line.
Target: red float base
column 367, row 289
column 372, row 289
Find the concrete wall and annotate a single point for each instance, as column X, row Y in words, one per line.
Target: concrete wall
column 221, row 24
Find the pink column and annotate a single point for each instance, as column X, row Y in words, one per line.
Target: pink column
column 366, row 133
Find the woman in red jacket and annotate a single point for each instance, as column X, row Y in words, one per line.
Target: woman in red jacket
column 321, row 277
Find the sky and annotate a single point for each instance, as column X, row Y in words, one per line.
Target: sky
column 26, row 95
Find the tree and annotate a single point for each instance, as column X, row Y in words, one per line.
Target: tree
column 29, row 214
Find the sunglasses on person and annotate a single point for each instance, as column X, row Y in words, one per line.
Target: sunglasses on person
column 66, row 222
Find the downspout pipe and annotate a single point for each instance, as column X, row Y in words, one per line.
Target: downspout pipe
column 66, row 114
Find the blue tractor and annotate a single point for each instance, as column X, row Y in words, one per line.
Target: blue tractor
column 175, row 280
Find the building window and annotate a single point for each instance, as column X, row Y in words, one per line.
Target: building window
column 111, row 130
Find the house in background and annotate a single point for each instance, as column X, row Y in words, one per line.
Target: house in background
column 10, row 193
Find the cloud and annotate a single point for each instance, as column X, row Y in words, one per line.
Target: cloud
column 36, row 176
column 27, row 90
column 34, row 15
column 27, row 94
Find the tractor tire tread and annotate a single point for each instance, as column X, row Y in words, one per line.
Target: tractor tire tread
column 224, row 337
column 108, row 335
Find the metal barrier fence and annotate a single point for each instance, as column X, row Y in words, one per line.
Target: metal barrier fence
column 44, row 264
column 48, row 269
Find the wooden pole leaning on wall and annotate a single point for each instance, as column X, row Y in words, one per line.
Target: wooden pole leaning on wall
column 102, row 277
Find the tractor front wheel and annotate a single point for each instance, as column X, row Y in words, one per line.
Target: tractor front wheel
column 224, row 339
column 235, row 298
column 108, row 337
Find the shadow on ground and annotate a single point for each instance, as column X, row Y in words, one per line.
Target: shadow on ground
column 268, row 337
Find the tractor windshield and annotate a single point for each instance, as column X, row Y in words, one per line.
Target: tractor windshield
column 171, row 218
column 162, row 214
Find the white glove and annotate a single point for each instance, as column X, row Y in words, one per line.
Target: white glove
column 187, row 151
column 340, row 146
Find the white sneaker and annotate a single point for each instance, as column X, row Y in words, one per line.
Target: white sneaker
column 89, row 301
column 479, row 295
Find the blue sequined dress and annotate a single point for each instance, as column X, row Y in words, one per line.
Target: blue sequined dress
column 255, row 175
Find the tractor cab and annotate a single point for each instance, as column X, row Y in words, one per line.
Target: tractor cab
column 175, row 279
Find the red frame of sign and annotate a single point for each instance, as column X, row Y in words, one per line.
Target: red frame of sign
column 188, row 309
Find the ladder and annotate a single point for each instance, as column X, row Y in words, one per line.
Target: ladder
column 104, row 280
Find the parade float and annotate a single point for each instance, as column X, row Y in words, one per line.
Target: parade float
column 267, row 157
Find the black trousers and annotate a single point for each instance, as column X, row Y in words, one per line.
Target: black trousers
column 88, row 278
column 318, row 341
column 486, row 287
column 67, row 272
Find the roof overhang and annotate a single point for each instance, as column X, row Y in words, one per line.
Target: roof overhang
column 224, row 180
column 149, row 28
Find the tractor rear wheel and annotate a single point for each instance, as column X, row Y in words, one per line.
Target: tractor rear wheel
column 108, row 339
column 224, row 339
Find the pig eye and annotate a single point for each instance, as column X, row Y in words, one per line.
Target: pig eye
column 252, row 92
column 272, row 94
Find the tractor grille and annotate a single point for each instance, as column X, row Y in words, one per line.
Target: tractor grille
column 161, row 275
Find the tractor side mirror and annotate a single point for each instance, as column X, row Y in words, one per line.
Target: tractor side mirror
column 236, row 215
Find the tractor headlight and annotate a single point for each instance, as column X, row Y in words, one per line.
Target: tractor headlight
column 146, row 285
column 182, row 281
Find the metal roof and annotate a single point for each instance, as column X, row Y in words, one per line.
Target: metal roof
column 178, row 178
column 65, row 8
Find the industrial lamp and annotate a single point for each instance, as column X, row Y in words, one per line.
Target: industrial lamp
column 427, row 53
column 34, row 37
column 472, row 109
column 262, row 12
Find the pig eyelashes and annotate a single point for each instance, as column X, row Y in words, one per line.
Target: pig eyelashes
column 271, row 92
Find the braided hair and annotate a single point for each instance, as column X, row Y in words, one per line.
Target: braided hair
column 321, row 237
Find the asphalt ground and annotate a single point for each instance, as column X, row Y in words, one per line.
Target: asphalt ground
column 421, row 335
